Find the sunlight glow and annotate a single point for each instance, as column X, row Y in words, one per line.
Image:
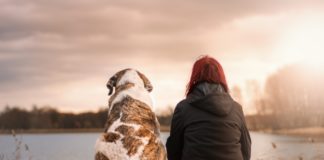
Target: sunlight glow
column 303, row 42
column 315, row 63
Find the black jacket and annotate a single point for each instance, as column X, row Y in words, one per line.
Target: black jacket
column 208, row 125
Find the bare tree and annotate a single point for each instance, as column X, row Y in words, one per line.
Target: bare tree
column 237, row 94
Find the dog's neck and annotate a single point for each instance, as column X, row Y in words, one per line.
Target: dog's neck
column 119, row 89
column 124, row 86
column 133, row 90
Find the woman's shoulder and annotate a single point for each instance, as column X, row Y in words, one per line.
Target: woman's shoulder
column 238, row 110
column 238, row 107
column 181, row 104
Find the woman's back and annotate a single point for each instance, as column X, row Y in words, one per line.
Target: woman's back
column 212, row 124
column 208, row 124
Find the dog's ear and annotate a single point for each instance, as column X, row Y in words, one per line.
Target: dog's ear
column 147, row 84
column 111, row 84
column 114, row 80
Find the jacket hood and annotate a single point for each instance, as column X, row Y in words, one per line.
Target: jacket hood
column 211, row 98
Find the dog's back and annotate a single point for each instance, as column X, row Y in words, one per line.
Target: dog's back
column 132, row 129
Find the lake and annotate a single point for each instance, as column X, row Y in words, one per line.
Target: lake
column 80, row 146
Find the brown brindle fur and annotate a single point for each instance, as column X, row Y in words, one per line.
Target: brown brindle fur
column 138, row 112
column 153, row 148
column 125, row 130
column 100, row 156
column 111, row 137
column 133, row 112
column 142, row 132
column 115, row 111
column 131, row 144
column 150, row 149
column 147, row 83
column 113, row 115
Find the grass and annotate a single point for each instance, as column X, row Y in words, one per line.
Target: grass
column 20, row 148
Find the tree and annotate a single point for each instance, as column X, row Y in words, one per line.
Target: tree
column 237, row 94
column 14, row 118
column 293, row 95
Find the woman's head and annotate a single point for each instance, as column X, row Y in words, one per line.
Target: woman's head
column 206, row 69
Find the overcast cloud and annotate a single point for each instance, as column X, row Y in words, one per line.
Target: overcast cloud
column 62, row 52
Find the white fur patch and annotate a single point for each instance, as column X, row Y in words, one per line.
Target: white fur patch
column 138, row 93
column 116, row 151
column 131, row 76
column 118, row 123
column 113, row 151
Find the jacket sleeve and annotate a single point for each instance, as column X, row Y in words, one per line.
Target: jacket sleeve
column 245, row 141
column 174, row 143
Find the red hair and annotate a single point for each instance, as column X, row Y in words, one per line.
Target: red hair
column 206, row 69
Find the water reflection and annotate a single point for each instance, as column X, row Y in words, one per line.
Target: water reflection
column 78, row 146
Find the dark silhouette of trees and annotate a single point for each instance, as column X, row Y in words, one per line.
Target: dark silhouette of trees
column 166, row 117
column 14, row 118
column 45, row 117
column 49, row 118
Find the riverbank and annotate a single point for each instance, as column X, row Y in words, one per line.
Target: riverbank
column 75, row 130
column 309, row 132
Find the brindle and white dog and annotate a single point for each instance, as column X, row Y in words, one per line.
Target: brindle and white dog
column 132, row 129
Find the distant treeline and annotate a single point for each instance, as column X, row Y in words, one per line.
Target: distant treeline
column 50, row 118
column 293, row 97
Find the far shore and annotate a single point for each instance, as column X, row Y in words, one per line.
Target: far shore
column 75, row 130
column 310, row 132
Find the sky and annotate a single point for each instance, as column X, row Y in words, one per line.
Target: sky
column 61, row 53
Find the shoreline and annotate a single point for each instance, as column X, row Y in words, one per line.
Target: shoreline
column 307, row 132
column 57, row 131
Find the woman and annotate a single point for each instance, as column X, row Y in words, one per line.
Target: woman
column 208, row 124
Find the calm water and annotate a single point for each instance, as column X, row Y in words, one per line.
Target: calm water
column 81, row 147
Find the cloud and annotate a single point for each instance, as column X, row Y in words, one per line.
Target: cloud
column 48, row 44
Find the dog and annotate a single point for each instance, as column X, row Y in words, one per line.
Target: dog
column 132, row 129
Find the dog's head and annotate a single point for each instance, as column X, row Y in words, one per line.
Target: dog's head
column 128, row 76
